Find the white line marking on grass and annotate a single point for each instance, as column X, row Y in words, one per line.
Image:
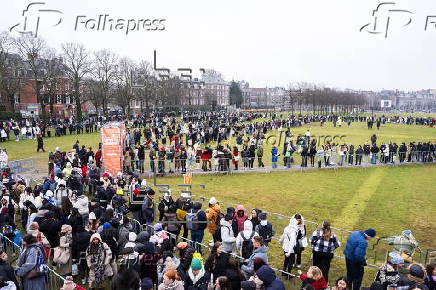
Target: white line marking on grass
column 352, row 212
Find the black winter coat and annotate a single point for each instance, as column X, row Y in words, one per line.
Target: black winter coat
column 80, row 243
column 8, row 272
column 51, row 228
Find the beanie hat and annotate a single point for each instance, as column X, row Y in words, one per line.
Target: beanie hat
column 248, row 285
column 182, row 245
column 266, row 274
column 146, row 284
column 132, row 237
column 417, row 271
column 213, row 201
column 92, row 216
column 196, row 265
column 395, row 258
column 370, row 233
column 157, row 227
column 106, row 225
column 262, row 216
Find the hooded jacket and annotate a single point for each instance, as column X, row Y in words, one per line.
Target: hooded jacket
column 240, row 219
column 199, row 282
column 81, row 204
column 261, row 252
column 212, row 215
column 269, row 279
column 248, row 230
column 289, row 237
column 108, row 256
column 227, row 236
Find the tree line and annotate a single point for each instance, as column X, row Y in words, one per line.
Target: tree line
column 100, row 77
column 323, row 100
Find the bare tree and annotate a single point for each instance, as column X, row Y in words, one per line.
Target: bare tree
column 77, row 65
column 144, row 84
column 11, row 71
column 123, row 93
column 92, row 92
column 34, row 52
column 104, row 71
column 54, row 73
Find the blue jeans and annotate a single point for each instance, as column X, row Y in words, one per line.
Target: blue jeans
column 197, row 238
column 274, row 165
column 373, row 158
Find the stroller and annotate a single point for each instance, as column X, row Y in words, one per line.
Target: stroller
column 405, row 245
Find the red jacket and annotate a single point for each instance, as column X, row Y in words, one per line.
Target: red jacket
column 318, row 284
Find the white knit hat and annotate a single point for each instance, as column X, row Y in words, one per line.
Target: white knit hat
column 213, row 201
column 132, row 237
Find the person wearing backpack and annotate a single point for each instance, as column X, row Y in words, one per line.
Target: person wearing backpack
column 259, row 251
column 197, row 229
column 227, row 234
column 264, row 229
column 32, row 267
column 244, row 243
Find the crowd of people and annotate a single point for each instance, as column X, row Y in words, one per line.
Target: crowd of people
column 30, row 128
column 79, row 222
column 79, row 219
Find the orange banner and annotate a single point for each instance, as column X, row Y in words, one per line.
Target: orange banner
column 112, row 149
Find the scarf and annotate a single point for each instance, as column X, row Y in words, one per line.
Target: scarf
column 172, row 286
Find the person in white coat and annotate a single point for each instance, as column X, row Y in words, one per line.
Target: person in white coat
column 289, row 245
column 80, row 201
column 3, row 158
column 227, row 235
column 244, row 235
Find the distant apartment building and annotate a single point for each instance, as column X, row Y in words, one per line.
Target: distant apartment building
column 216, row 91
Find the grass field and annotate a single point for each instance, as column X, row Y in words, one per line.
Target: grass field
column 389, row 199
column 385, row 198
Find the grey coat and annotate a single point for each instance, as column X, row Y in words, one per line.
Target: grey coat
column 28, row 261
column 262, row 253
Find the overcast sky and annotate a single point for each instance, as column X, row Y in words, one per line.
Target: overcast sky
column 267, row 43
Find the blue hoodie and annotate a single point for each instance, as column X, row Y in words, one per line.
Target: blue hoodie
column 355, row 250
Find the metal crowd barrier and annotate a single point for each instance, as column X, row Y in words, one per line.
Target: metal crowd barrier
column 54, row 280
column 421, row 157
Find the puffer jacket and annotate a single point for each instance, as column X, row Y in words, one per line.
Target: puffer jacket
column 355, row 250
column 212, row 215
column 227, row 236
column 289, row 237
